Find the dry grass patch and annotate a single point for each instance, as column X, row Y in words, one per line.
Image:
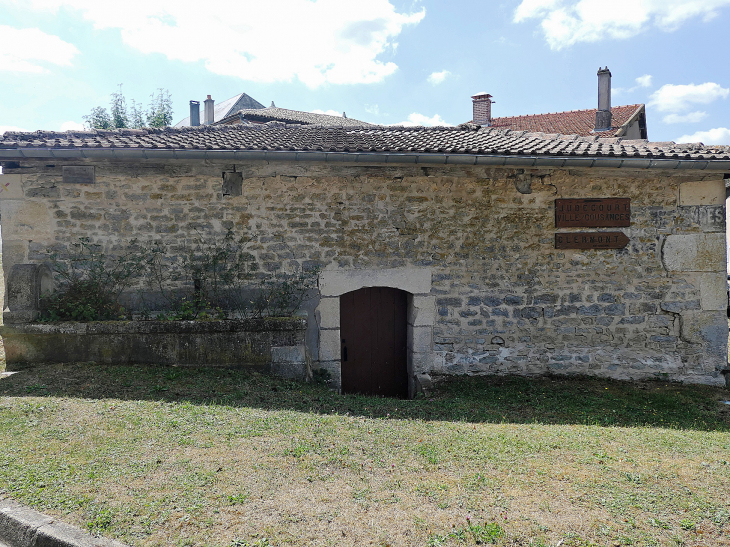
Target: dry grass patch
column 173, row 456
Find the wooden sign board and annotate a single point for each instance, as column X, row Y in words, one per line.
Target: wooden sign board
column 592, row 213
column 591, row 240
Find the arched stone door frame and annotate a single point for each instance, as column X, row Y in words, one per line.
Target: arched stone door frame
column 420, row 319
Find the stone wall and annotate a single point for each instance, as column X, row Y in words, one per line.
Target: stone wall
column 503, row 299
column 272, row 345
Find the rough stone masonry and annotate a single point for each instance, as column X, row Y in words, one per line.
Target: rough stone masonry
column 473, row 246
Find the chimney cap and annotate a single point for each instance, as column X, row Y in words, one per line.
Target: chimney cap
column 208, row 99
column 603, row 71
column 481, row 94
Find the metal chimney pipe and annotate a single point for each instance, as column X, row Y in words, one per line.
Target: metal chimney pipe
column 603, row 114
column 209, row 113
column 194, row 113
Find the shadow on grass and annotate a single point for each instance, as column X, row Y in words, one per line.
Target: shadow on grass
column 492, row 399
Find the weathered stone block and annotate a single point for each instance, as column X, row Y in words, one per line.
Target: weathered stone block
column 329, row 345
column 11, row 187
column 695, row 253
column 338, row 282
column 328, row 313
column 288, row 354
column 706, row 192
column 29, row 220
column 680, row 306
column 420, row 339
column 422, row 311
column 713, row 291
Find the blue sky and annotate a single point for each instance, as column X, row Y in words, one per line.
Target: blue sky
column 388, row 62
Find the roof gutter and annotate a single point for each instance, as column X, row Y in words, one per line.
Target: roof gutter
column 522, row 161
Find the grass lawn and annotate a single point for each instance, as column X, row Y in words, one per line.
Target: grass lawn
column 181, row 456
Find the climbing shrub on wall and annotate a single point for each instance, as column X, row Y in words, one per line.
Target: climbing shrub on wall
column 91, row 282
column 211, row 278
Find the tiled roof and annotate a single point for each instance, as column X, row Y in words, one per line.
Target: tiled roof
column 276, row 136
column 275, row 114
column 573, row 122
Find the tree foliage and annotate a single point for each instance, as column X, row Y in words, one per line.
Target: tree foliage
column 158, row 114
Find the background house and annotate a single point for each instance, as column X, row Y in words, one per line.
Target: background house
column 243, row 109
column 216, row 112
column 627, row 121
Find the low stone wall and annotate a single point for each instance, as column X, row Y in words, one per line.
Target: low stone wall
column 274, row 345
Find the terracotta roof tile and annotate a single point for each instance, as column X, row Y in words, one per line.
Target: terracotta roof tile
column 572, row 122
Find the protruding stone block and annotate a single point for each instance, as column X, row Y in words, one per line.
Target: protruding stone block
column 423, row 383
column 705, row 192
column 27, row 283
column 695, row 253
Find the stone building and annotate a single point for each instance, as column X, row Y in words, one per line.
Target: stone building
column 442, row 246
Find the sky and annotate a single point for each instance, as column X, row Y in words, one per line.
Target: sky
column 380, row 61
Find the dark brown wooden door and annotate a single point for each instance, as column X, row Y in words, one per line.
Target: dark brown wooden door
column 373, row 340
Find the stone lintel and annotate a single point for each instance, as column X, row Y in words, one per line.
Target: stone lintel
column 339, row 282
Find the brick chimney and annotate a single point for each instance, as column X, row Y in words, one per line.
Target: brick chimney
column 603, row 115
column 209, row 116
column 194, row 113
column 482, row 109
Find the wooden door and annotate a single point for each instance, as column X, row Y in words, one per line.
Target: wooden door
column 373, row 342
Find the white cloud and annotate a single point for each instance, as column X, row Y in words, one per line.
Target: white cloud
column 328, row 112
column 421, row 119
column 692, row 117
column 676, row 98
column 643, row 81
column 719, row 135
column 72, row 126
column 28, row 49
column 437, row 77
column 373, row 109
column 567, row 22
column 314, row 41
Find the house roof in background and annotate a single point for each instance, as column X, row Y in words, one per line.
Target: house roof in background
column 224, row 108
column 274, row 113
column 357, row 143
column 572, row 122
